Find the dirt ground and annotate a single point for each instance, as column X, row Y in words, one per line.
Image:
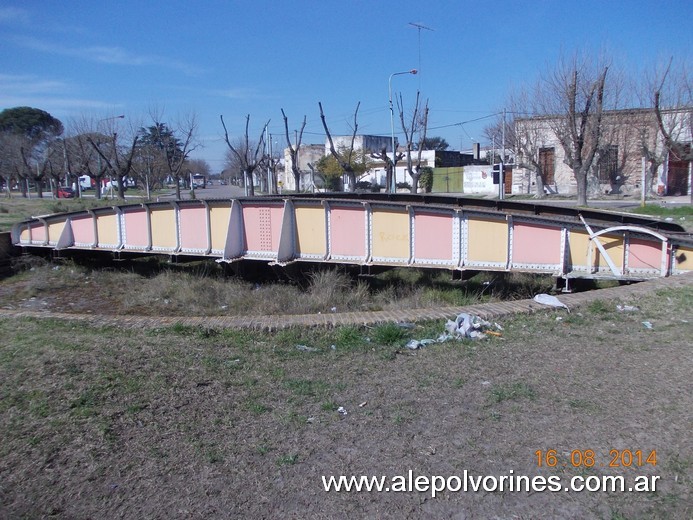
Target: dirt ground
column 180, row 422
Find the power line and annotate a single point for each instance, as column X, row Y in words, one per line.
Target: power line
column 461, row 123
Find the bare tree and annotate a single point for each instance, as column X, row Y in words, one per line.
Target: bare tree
column 82, row 156
column 573, row 97
column 182, row 141
column 117, row 157
column 665, row 122
column 417, row 127
column 383, row 155
column 149, row 165
column 57, row 165
column 12, row 164
column 248, row 159
column 346, row 158
column 35, row 164
column 7, row 163
column 501, row 133
column 293, row 151
column 526, row 138
column 673, row 107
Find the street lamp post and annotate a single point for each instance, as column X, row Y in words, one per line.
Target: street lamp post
column 393, row 184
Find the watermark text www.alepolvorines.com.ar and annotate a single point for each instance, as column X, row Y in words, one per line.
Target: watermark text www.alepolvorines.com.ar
column 467, row 482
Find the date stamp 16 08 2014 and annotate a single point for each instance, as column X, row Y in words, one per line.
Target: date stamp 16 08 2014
column 591, row 458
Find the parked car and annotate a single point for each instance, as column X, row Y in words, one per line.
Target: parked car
column 65, row 193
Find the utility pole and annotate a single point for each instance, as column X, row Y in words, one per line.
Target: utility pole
column 502, row 161
column 419, row 27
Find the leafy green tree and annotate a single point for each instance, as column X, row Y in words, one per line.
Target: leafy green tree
column 435, row 143
column 331, row 172
column 332, row 168
column 34, row 130
column 174, row 145
column 34, row 123
column 426, row 179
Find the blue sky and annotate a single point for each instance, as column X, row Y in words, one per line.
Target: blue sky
column 234, row 58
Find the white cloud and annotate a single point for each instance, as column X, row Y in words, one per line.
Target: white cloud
column 29, row 84
column 47, row 94
column 57, row 103
column 106, row 54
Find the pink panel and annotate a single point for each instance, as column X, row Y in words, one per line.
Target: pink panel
column 136, row 233
column 533, row 244
column 432, row 236
column 38, row 232
column 263, row 225
column 644, row 254
column 193, row 228
column 347, row 229
column 83, row 230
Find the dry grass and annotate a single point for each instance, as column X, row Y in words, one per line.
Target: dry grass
column 18, row 208
column 202, row 289
column 104, row 422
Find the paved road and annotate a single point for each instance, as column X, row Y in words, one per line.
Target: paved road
column 216, row 191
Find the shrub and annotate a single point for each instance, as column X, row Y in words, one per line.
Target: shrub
column 426, row 179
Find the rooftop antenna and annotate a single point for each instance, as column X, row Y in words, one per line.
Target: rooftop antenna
column 420, row 26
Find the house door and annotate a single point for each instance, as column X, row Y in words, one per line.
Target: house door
column 677, row 179
column 508, row 179
column 547, row 163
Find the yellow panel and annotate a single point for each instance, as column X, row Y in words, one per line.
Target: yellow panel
column 614, row 248
column 391, row 234
column 487, row 241
column 219, row 220
column 164, row 229
column 55, row 229
column 310, row 231
column 107, row 227
column 684, row 259
column 25, row 236
column 580, row 244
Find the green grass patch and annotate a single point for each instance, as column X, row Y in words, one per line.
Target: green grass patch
column 389, row 334
column 287, row 460
column 658, row 210
column 512, row 391
column 306, row 387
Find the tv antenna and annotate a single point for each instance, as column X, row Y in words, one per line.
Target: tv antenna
column 420, row 26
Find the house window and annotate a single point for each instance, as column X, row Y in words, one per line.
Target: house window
column 547, row 163
column 607, row 167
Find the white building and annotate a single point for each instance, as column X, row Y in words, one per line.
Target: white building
column 632, row 152
column 309, row 155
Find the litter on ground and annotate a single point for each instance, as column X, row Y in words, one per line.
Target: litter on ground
column 464, row 326
column 305, row 348
column 547, row 299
